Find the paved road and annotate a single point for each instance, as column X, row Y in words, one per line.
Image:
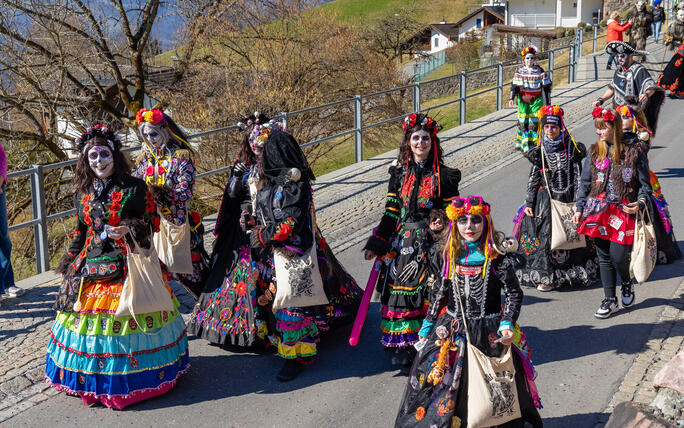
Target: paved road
column 580, row 359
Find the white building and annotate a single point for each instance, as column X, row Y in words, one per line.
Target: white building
column 481, row 19
column 548, row 14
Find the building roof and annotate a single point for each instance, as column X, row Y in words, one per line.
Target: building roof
column 497, row 11
column 447, row 29
column 501, row 28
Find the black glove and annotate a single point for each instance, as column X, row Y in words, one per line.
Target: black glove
column 239, row 169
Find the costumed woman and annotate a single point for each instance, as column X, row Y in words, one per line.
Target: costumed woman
column 478, row 268
column 167, row 165
column 286, row 226
column 93, row 353
column 614, row 186
column 635, row 131
column 672, row 77
column 530, row 89
column 560, row 168
column 233, row 308
column 419, row 181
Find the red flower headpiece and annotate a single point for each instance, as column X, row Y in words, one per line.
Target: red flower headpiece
column 414, row 119
column 605, row 114
column 154, row 116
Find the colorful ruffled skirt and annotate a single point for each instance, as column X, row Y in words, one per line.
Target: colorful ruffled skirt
column 528, row 122
column 116, row 360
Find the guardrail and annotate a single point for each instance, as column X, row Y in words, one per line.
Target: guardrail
column 355, row 104
column 426, row 66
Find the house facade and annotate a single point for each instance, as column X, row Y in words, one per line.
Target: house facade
column 548, row 14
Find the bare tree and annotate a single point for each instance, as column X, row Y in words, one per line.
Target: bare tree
column 395, row 34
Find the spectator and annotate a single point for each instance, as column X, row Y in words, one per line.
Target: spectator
column 613, row 33
column 658, row 18
column 6, row 273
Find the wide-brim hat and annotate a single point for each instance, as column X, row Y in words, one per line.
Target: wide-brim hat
column 619, row 47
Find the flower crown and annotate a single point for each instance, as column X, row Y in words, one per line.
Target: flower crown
column 550, row 111
column 462, row 206
column 529, row 49
column 154, row 116
column 604, row 114
column 624, row 110
column 645, row 134
column 414, row 119
column 261, row 132
column 251, row 119
column 101, row 131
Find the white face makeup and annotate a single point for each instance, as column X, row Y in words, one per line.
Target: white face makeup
column 101, row 161
column 624, row 59
column 680, row 15
column 470, row 227
column 257, row 146
column 420, row 145
column 529, row 60
column 153, row 136
column 551, row 131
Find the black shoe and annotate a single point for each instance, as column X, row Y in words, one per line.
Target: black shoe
column 608, row 67
column 291, row 369
column 627, row 294
column 608, row 307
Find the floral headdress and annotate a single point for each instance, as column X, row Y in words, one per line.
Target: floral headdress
column 158, row 118
column 261, row 132
column 251, row 119
column 604, row 114
column 101, row 131
column 473, row 205
column 553, row 115
column 529, row 50
column 625, row 110
column 415, row 119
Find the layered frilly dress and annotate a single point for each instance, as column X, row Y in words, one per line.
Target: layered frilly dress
column 285, row 215
column 116, row 360
column 170, row 173
column 403, row 240
column 542, row 266
column 672, row 77
column 531, row 84
column 233, row 308
column 436, row 393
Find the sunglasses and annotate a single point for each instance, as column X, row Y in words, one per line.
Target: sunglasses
column 473, row 201
column 465, row 219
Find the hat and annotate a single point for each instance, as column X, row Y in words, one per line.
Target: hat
column 551, row 115
column 619, row 47
column 104, row 135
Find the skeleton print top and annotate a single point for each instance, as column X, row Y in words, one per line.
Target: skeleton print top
column 563, row 163
column 634, row 81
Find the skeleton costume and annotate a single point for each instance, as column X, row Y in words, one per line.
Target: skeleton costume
column 403, row 238
column 531, row 86
column 436, row 392
column 234, row 307
column 93, row 353
column 168, row 167
column 641, row 27
column 545, row 268
column 631, row 82
column 672, row 77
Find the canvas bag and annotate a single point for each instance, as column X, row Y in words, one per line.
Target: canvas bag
column 644, row 248
column 492, row 392
column 564, row 234
column 144, row 288
column 173, row 246
column 298, row 279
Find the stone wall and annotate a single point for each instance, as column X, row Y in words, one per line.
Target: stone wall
column 479, row 79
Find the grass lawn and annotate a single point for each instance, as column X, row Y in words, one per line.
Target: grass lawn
column 353, row 11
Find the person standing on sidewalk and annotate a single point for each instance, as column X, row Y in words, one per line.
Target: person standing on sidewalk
column 614, row 186
column 658, row 18
column 7, row 286
column 614, row 33
column 641, row 27
column 675, row 31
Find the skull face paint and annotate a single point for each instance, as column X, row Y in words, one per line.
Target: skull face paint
column 101, row 161
column 529, row 60
column 624, row 59
column 680, row 15
column 153, row 135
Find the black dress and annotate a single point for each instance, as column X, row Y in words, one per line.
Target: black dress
column 542, row 266
column 434, row 399
column 672, row 77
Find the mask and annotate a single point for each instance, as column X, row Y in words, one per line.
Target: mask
column 680, row 15
column 101, row 161
column 640, row 6
column 529, row 60
column 153, row 135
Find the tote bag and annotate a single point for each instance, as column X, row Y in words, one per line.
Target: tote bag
column 564, row 234
column 644, row 249
column 144, row 288
column 492, row 392
column 173, row 246
column 298, row 279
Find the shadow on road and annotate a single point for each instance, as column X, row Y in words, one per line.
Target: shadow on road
column 670, row 172
column 573, row 421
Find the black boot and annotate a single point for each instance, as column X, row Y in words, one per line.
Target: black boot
column 291, row 369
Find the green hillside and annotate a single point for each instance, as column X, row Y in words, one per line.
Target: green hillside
column 429, row 12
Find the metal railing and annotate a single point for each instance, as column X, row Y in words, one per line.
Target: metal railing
column 426, row 66
column 355, row 105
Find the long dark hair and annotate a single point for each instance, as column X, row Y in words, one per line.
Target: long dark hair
column 405, row 145
column 83, row 174
column 245, row 154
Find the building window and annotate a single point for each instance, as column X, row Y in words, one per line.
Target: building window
column 436, row 42
column 479, row 23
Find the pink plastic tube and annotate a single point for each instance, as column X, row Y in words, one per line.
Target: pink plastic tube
column 365, row 302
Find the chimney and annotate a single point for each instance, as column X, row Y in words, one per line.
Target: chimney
column 443, row 21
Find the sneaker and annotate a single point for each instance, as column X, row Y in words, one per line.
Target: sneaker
column 291, row 369
column 14, row 291
column 608, row 307
column 546, row 287
column 627, row 294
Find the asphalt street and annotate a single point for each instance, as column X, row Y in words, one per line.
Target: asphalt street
column 580, row 360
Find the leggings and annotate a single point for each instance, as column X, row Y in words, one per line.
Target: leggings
column 613, row 258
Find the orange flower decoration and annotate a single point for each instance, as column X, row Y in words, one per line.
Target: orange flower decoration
column 420, row 413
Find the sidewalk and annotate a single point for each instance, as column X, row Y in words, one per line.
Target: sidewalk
column 349, row 202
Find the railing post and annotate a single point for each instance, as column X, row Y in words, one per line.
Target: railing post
column 416, row 96
column 358, row 134
column 571, row 63
column 283, row 115
column 551, row 54
column 593, row 42
column 40, row 235
column 499, row 85
column 580, row 41
column 462, row 96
